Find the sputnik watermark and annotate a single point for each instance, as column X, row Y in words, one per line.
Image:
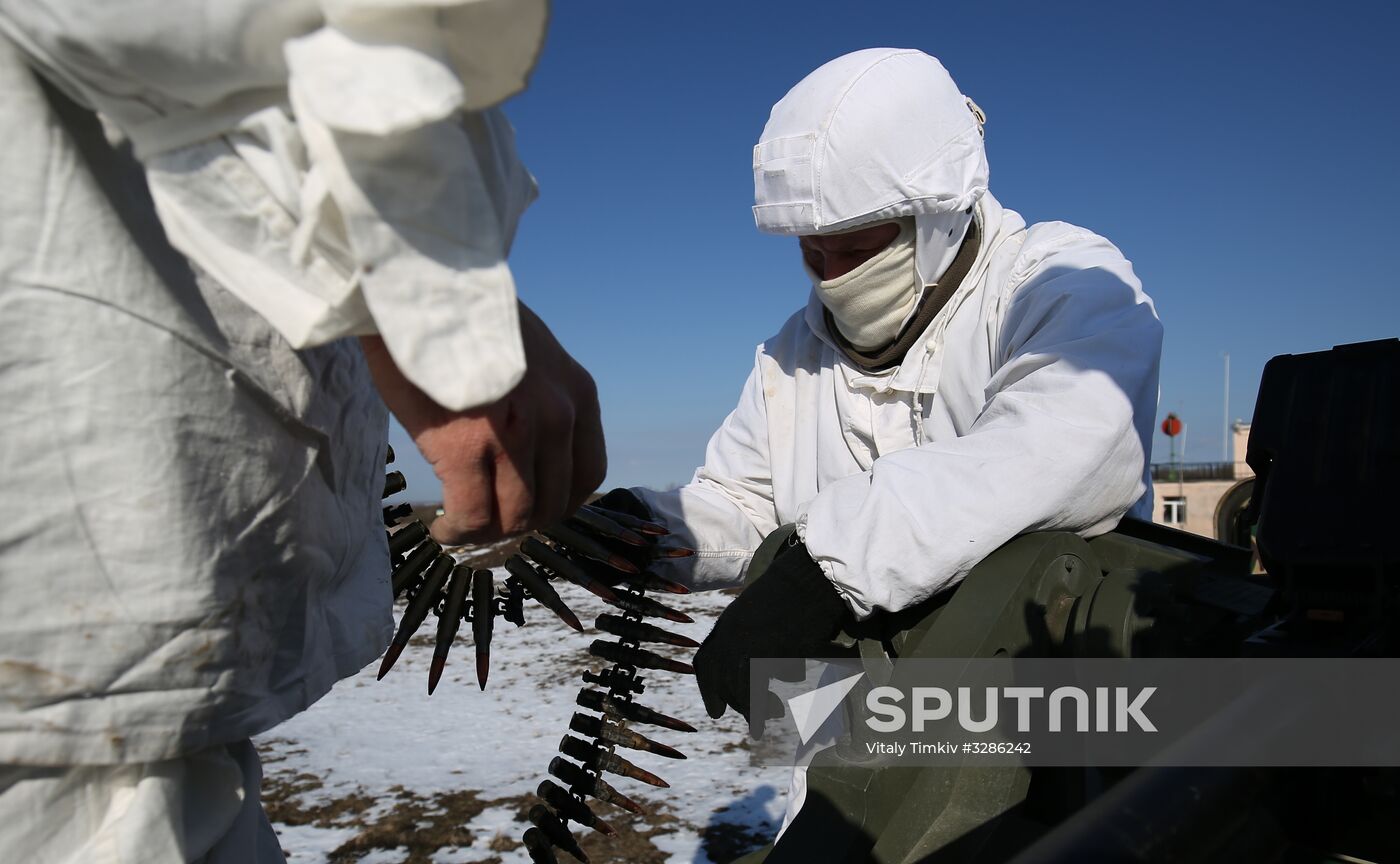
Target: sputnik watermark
column 1074, row 712
column 933, row 704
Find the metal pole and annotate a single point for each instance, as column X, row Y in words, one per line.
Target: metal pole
column 1180, row 481
column 1226, row 442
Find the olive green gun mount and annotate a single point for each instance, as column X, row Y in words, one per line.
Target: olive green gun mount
column 1053, row 594
column 1149, row 591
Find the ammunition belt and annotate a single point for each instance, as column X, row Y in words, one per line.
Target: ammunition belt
column 432, row 582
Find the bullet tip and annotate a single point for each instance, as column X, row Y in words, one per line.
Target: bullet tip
column 620, row 563
column 648, row 778
column 390, row 657
column 435, row 673
column 483, row 669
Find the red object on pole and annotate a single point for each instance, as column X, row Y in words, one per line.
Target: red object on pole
column 1172, row 426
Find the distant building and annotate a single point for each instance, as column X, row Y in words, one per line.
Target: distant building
column 1189, row 495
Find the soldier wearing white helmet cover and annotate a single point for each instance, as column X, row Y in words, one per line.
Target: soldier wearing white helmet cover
column 956, row 378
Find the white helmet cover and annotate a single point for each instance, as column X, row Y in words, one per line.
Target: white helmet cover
column 870, row 136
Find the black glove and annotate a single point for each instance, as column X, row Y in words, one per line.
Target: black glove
column 792, row 610
column 614, row 505
column 605, row 542
column 623, row 501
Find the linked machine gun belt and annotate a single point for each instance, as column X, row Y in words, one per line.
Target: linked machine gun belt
column 433, row 582
column 605, row 552
column 608, row 697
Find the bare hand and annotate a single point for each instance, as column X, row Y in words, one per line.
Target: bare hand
column 523, row 462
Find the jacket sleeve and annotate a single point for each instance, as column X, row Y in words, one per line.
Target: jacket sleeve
column 419, row 173
column 726, row 509
column 341, row 166
column 1062, row 442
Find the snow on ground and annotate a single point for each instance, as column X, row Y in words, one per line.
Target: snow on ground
column 378, row 772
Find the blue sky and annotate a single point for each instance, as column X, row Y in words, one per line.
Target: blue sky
column 1243, row 156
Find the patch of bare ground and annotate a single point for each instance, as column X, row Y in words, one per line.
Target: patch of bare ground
column 633, row 842
column 273, row 750
column 283, row 799
column 420, row 825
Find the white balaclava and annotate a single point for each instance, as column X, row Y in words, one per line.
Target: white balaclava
column 872, row 136
column 870, row 303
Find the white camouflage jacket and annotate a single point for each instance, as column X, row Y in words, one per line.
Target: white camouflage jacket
column 1027, row 405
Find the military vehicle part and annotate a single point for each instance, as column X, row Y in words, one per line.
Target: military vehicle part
column 1322, row 446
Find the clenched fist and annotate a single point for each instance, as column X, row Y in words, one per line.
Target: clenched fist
column 525, row 461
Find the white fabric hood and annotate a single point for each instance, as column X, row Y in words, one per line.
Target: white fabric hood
column 873, row 135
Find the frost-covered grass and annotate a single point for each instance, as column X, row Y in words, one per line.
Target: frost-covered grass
column 380, row 772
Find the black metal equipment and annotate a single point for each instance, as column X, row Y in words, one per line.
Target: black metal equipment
column 1325, row 448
